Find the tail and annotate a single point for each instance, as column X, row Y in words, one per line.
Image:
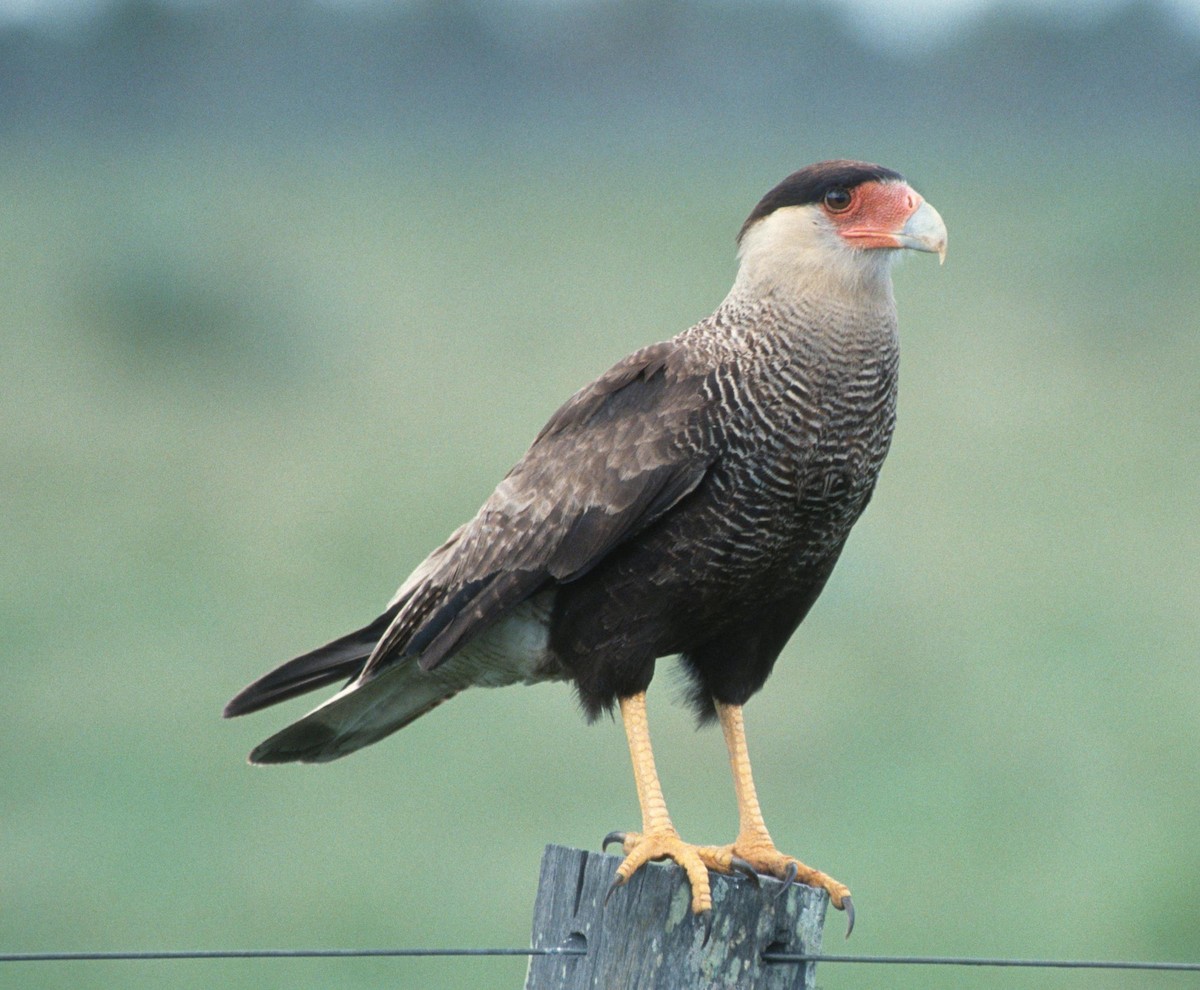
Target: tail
column 360, row 714
column 337, row 661
column 382, row 700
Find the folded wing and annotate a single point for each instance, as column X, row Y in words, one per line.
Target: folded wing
column 612, row 461
column 609, row 463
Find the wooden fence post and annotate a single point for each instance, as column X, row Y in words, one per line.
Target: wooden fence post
column 646, row 938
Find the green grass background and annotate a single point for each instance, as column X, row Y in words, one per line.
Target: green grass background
column 243, row 396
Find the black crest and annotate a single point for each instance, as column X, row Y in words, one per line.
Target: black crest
column 812, row 182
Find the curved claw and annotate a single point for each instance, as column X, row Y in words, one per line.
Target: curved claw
column 619, row 881
column 611, row 838
column 741, row 866
column 848, row 907
column 789, row 878
column 706, row 918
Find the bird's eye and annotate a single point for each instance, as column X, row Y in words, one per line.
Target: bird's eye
column 837, row 200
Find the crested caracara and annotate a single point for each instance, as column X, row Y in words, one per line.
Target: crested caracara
column 690, row 501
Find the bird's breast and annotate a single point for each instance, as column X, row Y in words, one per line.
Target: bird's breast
column 809, row 413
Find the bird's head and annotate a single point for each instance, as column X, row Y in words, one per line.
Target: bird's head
column 839, row 222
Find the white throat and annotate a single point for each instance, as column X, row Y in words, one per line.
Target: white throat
column 794, row 253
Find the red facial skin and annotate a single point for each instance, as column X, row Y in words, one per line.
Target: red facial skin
column 876, row 214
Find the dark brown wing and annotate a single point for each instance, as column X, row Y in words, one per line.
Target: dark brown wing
column 611, row 461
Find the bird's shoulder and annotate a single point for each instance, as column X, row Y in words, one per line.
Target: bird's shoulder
column 609, row 461
column 638, row 384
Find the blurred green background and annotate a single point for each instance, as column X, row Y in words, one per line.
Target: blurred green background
column 286, row 289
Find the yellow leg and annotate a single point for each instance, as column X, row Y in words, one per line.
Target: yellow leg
column 753, row 843
column 751, row 852
column 658, row 838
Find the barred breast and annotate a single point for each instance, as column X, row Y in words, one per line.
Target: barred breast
column 805, row 402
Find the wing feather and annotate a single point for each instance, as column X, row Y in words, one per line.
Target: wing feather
column 337, row 661
column 610, row 462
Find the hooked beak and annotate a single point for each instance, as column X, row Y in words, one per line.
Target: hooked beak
column 924, row 231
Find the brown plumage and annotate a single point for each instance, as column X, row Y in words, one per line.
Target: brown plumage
column 692, row 500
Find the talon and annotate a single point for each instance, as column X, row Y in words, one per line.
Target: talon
column 848, row 907
column 789, row 878
column 620, row 881
column 745, row 869
column 611, row 838
column 706, row 919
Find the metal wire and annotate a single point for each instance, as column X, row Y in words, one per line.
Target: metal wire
column 780, row 958
column 275, row 954
column 796, row 957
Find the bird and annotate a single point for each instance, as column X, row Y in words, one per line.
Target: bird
column 690, row 502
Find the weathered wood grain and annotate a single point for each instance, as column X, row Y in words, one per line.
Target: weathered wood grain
column 646, row 938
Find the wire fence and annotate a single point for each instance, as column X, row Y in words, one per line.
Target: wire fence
column 274, row 954
column 774, row 958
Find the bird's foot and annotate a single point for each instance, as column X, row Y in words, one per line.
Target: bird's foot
column 749, row 858
column 658, row 844
column 764, row 858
